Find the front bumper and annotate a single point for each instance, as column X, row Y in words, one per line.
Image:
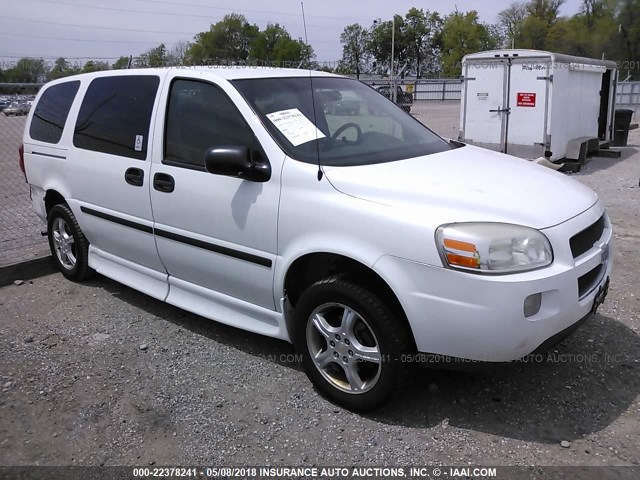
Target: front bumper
column 481, row 317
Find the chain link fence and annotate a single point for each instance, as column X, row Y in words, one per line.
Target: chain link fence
column 628, row 96
column 441, row 89
column 20, row 228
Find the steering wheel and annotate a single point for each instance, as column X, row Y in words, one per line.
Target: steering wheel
column 344, row 127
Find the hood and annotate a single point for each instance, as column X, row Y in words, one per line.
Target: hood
column 469, row 184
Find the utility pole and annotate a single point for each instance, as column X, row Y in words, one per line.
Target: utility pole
column 394, row 96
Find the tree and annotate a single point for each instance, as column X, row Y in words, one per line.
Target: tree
column 158, row 56
column 417, row 46
column 264, row 44
column 462, row 34
column 568, row 36
column 545, row 10
column 591, row 33
column 629, row 34
column 274, row 44
column 307, row 56
column 228, row 39
column 28, row 70
column 534, row 33
column 289, row 50
column 421, row 28
column 496, row 35
column 380, row 44
column 121, row 63
column 94, row 66
column 526, row 25
column 179, row 52
column 153, row 58
column 592, row 9
column 62, row 68
column 511, row 20
column 355, row 53
column 234, row 40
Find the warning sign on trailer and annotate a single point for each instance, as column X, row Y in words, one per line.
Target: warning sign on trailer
column 526, row 99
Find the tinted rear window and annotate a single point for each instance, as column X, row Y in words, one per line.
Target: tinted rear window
column 52, row 111
column 116, row 114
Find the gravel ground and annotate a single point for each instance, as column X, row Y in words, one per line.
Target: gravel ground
column 441, row 117
column 97, row 373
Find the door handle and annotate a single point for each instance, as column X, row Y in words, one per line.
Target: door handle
column 134, row 176
column 500, row 110
column 163, row 182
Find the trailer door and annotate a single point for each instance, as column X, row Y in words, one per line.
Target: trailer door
column 485, row 103
column 528, row 101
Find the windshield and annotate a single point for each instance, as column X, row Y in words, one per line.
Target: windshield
column 351, row 124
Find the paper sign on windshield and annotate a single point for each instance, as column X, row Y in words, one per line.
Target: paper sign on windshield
column 297, row 128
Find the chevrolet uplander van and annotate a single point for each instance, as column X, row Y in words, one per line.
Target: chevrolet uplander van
column 256, row 198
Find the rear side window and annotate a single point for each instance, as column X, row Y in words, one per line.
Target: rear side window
column 115, row 115
column 52, row 111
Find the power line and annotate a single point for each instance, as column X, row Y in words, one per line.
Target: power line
column 135, row 30
column 266, row 12
column 113, row 9
column 94, row 27
column 54, row 57
column 79, row 39
column 148, row 12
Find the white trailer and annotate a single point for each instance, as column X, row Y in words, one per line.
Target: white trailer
column 532, row 103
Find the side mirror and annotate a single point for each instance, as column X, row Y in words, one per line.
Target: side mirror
column 237, row 161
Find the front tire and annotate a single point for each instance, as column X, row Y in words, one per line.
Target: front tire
column 351, row 344
column 69, row 247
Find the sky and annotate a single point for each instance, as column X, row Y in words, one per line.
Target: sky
column 99, row 29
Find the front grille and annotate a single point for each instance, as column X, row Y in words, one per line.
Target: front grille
column 582, row 242
column 587, row 281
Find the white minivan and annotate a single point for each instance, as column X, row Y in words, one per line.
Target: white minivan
column 307, row 207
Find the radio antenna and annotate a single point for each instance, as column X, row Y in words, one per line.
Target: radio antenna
column 304, row 23
column 313, row 99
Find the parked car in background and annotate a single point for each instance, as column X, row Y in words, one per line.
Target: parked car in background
column 17, row 109
column 4, row 104
column 403, row 99
column 336, row 104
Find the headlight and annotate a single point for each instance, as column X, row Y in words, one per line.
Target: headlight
column 492, row 247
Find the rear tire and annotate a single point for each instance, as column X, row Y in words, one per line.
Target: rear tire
column 351, row 344
column 69, row 247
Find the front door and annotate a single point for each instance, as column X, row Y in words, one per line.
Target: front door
column 216, row 235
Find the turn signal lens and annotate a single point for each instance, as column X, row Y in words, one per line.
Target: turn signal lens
column 458, row 245
column 462, row 261
column 461, row 254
